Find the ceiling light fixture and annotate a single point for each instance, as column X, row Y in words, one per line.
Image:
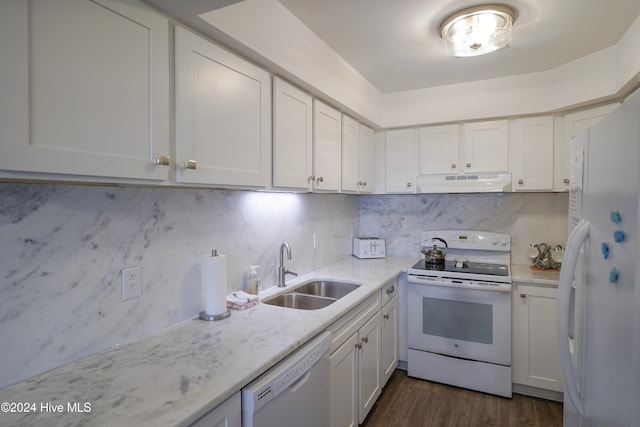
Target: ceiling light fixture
column 477, row 30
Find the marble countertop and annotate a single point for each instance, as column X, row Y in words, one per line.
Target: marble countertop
column 524, row 274
column 177, row 375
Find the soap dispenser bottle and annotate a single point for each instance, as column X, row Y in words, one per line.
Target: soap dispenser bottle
column 253, row 281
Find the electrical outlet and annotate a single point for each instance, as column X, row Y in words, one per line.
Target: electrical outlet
column 131, row 283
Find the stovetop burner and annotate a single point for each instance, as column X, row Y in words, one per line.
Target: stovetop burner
column 467, row 267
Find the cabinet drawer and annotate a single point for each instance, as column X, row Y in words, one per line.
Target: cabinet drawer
column 389, row 291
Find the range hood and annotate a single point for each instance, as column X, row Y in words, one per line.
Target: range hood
column 465, row 183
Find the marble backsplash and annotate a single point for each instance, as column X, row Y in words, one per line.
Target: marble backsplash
column 527, row 217
column 63, row 247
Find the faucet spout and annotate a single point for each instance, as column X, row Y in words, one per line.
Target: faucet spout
column 282, row 271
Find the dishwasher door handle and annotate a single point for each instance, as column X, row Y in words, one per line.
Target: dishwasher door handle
column 300, row 381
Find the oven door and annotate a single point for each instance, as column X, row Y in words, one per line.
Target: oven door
column 467, row 323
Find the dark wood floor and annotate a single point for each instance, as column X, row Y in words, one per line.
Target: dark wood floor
column 410, row 402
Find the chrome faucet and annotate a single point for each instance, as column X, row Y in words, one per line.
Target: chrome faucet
column 282, row 271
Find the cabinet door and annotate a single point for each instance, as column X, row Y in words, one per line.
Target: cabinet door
column 389, row 341
column 400, row 161
column 223, row 116
column 344, row 384
column 227, row 414
column 535, row 355
column 367, row 159
column 486, row 146
column 86, row 89
column 350, row 154
column 531, row 152
column 292, row 133
column 573, row 125
column 439, row 148
column 369, row 385
column 327, row 147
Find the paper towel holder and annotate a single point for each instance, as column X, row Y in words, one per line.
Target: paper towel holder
column 213, row 317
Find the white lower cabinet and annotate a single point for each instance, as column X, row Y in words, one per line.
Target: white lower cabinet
column 389, row 341
column 227, row 414
column 355, row 364
column 369, row 384
column 536, row 362
column 344, row 383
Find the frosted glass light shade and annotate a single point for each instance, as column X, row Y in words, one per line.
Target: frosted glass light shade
column 477, row 30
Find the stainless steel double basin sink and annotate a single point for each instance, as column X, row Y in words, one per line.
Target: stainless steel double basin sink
column 313, row 295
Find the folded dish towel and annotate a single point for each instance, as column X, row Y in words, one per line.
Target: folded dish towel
column 240, row 300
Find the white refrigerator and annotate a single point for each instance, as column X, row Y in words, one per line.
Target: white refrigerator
column 599, row 292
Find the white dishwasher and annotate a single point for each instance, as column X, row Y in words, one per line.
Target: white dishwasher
column 293, row 393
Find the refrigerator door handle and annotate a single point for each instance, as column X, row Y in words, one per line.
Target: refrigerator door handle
column 574, row 244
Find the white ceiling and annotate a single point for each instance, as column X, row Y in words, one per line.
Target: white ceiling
column 395, row 45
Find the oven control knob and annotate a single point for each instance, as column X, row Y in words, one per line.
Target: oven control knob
column 494, row 241
column 503, row 241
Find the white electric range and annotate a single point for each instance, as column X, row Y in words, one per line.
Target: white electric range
column 460, row 311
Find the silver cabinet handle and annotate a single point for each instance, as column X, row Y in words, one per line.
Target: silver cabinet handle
column 566, row 180
column 468, row 165
column 386, row 316
column 523, row 296
column 409, row 185
column 190, row 164
column 320, row 179
column 358, row 346
column 311, row 178
column 364, row 183
column 163, row 161
column 391, row 290
column 520, row 181
column 453, row 165
column 365, row 340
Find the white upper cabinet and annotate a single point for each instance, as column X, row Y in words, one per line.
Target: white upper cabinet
column 439, row 150
column 357, row 156
column 327, row 147
column 573, row 125
column 350, row 154
column 367, row 159
column 400, row 162
column 292, row 136
column 223, row 116
column 531, row 152
column 486, row 146
column 469, row 148
column 84, row 88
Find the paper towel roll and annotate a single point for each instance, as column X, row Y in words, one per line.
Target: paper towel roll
column 214, row 284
